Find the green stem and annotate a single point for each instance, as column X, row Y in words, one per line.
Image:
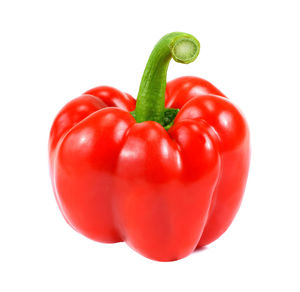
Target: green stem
column 150, row 105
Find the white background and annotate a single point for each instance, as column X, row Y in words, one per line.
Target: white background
column 52, row 51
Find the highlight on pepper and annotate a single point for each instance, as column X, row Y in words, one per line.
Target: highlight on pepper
column 165, row 173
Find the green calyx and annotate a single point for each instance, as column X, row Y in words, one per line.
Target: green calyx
column 150, row 105
column 168, row 118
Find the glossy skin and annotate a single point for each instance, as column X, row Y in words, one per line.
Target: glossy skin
column 163, row 192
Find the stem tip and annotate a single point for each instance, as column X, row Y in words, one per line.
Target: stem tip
column 185, row 50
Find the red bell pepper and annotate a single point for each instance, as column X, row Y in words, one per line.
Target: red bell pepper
column 166, row 173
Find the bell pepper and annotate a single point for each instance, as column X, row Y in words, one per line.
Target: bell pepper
column 165, row 173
